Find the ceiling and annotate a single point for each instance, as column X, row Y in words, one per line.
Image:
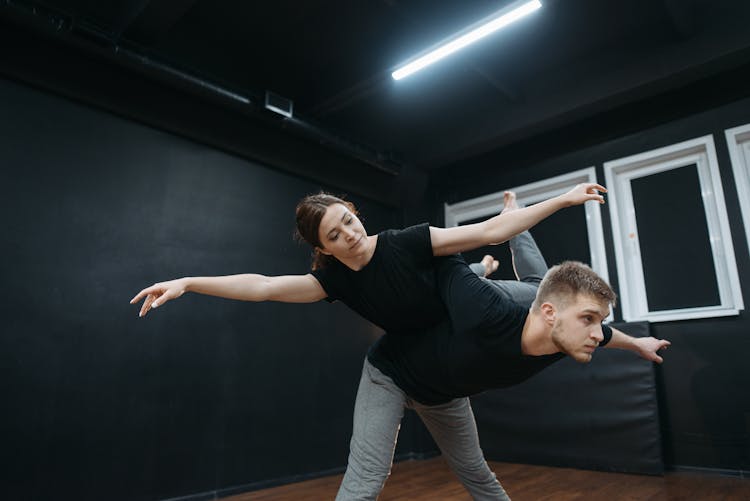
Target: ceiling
column 570, row 60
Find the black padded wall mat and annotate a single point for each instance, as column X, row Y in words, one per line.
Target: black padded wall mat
column 602, row 415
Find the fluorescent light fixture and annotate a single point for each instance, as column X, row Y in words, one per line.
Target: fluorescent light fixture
column 498, row 20
column 279, row 104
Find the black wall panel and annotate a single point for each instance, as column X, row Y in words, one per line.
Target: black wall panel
column 200, row 395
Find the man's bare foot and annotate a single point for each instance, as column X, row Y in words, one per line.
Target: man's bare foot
column 490, row 265
column 509, row 201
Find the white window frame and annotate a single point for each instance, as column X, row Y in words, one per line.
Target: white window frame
column 618, row 174
column 492, row 204
column 738, row 142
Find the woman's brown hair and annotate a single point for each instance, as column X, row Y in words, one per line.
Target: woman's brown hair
column 309, row 212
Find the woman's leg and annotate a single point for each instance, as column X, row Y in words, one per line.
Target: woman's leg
column 377, row 419
column 528, row 262
column 454, row 429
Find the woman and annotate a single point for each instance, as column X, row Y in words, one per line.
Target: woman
column 387, row 278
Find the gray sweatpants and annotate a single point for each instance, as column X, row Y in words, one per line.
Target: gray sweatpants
column 380, row 407
column 377, row 418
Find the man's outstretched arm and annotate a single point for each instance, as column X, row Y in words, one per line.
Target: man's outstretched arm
column 646, row 347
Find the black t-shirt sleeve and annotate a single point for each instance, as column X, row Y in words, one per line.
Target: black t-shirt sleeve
column 607, row 332
column 416, row 239
column 326, row 278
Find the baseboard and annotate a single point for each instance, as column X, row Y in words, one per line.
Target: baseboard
column 745, row 474
column 267, row 484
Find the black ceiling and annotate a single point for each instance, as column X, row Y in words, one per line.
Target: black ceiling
column 570, row 60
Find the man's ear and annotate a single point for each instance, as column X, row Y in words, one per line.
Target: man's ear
column 323, row 251
column 549, row 312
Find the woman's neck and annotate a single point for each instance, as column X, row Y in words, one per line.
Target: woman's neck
column 362, row 259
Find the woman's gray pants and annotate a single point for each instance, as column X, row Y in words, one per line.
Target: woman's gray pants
column 529, row 266
column 377, row 418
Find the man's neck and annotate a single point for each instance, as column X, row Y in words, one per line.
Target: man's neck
column 536, row 337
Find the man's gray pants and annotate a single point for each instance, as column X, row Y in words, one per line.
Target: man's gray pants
column 377, row 418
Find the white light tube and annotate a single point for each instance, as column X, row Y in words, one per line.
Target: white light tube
column 503, row 18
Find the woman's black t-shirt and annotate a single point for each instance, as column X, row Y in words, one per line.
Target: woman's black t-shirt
column 397, row 289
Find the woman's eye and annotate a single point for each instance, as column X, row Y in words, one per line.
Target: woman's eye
column 349, row 221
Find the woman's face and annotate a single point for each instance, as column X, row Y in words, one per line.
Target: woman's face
column 341, row 233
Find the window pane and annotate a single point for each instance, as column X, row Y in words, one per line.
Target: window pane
column 672, row 231
column 562, row 236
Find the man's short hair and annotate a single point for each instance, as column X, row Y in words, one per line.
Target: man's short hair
column 563, row 282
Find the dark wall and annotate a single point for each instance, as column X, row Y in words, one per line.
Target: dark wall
column 703, row 383
column 203, row 393
column 149, row 94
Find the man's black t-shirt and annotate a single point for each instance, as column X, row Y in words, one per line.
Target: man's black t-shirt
column 397, row 289
column 437, row 365
column 479, row 349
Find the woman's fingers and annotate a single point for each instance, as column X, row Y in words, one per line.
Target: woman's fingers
column 156, row 288
column 151, row 294
column 158, row 294
column 139, row 296
column 146, row 305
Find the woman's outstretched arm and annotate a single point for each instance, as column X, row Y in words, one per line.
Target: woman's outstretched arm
column 503, row 227
column 246, row 287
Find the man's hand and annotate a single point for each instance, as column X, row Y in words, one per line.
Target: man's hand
column 648, row 346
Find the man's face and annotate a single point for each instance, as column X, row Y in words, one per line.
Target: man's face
column 577, row 329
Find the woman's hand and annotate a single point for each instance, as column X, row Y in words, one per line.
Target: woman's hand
column 585, row 192
column 160, row 293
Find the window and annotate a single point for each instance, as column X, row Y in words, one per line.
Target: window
column 738, row 140
column 574, row 233
column 673, row 247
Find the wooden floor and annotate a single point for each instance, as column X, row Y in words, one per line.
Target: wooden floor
column 432, row 480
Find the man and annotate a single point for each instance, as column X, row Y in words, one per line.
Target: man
column 491, row 342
